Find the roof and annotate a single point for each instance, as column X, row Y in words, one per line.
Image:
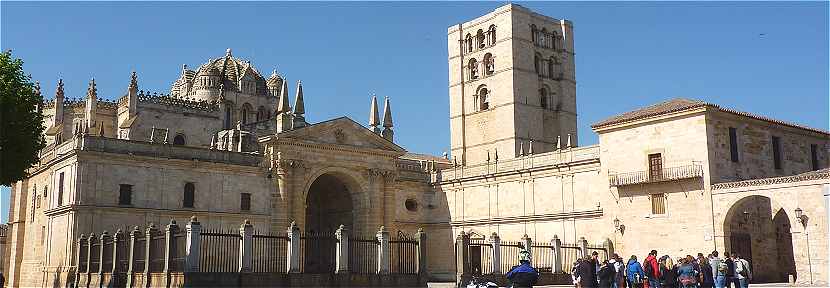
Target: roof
column 424, row 157
column 806, row 176
column 682, row 104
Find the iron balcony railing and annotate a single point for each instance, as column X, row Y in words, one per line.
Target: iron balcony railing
column 662, row 175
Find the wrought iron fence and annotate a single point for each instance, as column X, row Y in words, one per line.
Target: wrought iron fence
column 178, row 252
column 570, row 253
column 509, row 254
column 404, row 255
column 543, row 257
column 94, row 255
column 665, row 174
column 106, row 256
column 122, row 248
column 140, row 252
column 363, row 255
column 83, row 251
column 219, row 250
column 270, row 252
column 481, row 254
column 317, row 252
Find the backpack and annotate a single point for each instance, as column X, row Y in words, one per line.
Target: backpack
column 647, row 269
column 744, row 269
column 723, row 268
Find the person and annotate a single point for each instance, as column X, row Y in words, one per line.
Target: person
column 634, row 273
column 652, row 269
column 523, row 275
column 668, row 273
column 742, row 270
column 706, row 278
column 2, row 280
column 587, row 273
column 686, row 273
column 575, row 272
column 619, row 274
column 719, row 269
column 730, row 271
column 595, row 262
column 605, row 275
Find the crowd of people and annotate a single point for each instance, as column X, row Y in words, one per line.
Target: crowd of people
column 654, row 272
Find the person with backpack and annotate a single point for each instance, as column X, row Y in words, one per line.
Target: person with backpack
column 587, row 273
column 523, row 275
column 742, row 270
column 619, row 273
column 730, row 271
column 634, row 273
column 652, row 269
column 605, row 275
column 668, row 273
column 718, row 270
column 687, row 276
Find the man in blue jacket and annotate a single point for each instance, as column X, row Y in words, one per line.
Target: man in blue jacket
column 634, row 272
column 523, row 275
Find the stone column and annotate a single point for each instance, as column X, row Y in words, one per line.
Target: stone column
column 118, row 236
column 384, row 251
column 148, row 234
column 81, row 241
column 495, row 241
column 462, row 260
column 194, row 231
column 527, row 242
column 293, row 248
column 583, row 247
column 101, row 241
column 246, row 260
column 342, row 253
column 90, row 240
column 421, row 237
column 557, row 254
column 131, row 264
column 169, row 244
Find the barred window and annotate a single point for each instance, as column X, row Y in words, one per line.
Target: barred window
column 776, row 151
column 245, row 202
column 125, row 194
column 189, row 195
column 658, row 203
column 60, row 189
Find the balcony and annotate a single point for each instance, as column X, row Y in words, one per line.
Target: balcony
column 662, row 175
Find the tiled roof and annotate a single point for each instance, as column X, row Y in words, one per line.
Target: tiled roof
column 424, row 157
column 807, row 176
column 682, row 104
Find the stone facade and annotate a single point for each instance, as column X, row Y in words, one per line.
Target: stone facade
column 682, row 176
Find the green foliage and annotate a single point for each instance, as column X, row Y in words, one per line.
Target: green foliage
column 21, row 124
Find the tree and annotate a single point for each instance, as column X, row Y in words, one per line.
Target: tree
column 21, row 124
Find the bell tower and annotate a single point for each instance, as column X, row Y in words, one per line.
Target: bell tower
column 512, row 85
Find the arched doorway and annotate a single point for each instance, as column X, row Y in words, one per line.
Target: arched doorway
column 759, row 230
column 328, row 205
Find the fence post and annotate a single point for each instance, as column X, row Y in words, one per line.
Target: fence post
column 194, row 231
column 583, row 247
column 169, row 244
column 495, row 241
column 421, row 237
column 119, row 235
column 557, row 254
column 101, row 241
column 342, row 251
column 148, row 240
column 462, row 261
column 89, row 242
column 384, row 253
column 81, row 240
column 131, row 266
column 293, row 248
column 246, row 231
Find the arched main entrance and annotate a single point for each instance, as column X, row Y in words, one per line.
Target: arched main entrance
column 759, row 230
column 328, row 205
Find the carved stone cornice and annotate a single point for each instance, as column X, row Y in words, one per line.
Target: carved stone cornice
column 388, row 175
column 814, row 175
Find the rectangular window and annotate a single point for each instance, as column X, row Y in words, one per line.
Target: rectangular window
column 814, row 156
column 60, row 189
column 733, row 143
column 189, row 195
column 776, row 151
column 658, row 203
column 245, row 202
column 125, row 194
column 655, row 166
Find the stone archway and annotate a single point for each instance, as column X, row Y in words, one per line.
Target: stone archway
column 329, row 204
column 758, row 229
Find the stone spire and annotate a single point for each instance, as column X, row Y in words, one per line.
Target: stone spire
column 284, row 122
column 387, row 121
column 299, row 107
column 39, row 105
column 58, row 104
column 91, row 104
column 374, row 119
column 132, row 95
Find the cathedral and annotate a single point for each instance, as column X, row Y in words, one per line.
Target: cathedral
column 227, row 144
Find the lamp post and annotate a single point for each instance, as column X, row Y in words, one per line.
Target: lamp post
column 801, row 218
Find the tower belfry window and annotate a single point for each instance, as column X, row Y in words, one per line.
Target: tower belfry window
column 483, row 99
column 473, row 66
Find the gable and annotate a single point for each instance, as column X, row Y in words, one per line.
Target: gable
column 342, row 131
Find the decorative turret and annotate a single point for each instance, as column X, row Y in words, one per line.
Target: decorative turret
column 39, row 105
column 387, row 132
column 284, row 122
column 132, row 94
column 58, row 104
column 91, row 104
column 274, row 83
column 374, row 119
column 299, row 108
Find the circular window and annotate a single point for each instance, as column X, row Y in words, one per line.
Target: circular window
column 411, row 205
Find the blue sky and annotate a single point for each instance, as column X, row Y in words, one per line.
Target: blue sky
column 768, row 58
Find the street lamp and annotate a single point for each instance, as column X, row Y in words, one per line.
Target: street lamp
column 799, row 215
column 617, row 225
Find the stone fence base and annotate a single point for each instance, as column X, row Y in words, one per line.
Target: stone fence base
column 501, row 279
column 205, row 279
